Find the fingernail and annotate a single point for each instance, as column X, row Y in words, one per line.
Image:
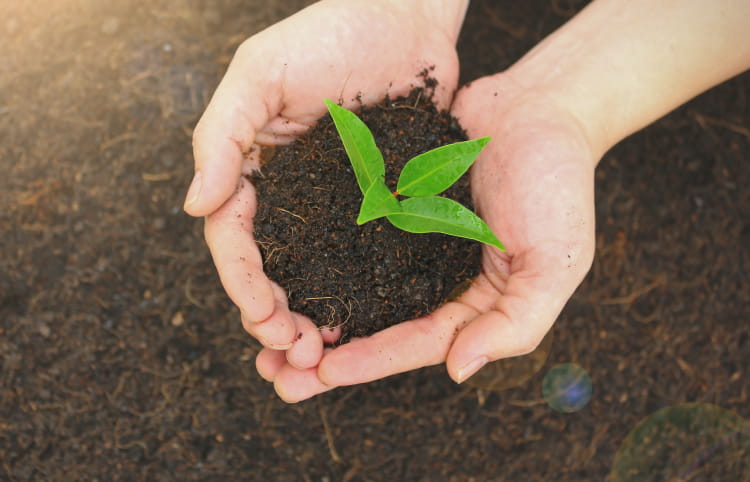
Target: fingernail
column 279, row 347
column 273, row 346
column 471, row 368
column 194, row 191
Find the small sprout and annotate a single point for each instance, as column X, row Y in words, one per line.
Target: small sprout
column 422, row 179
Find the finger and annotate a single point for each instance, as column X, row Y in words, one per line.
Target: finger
column 229, row 235
column 269, row 362
column 403, row 347
column 294, row 385
column 281, row 130
column 244, row 101
column 330, row 335
column 430, row 340
column 307, row 349
column 531, row 301
column 278, row 331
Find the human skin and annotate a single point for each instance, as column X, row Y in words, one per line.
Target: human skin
column 611, row 70
column 273, row 90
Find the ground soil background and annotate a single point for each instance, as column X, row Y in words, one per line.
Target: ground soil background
column 122, row 359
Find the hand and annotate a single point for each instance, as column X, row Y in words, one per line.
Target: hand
column 533, row 184
column 557, row 110
column 353, row 50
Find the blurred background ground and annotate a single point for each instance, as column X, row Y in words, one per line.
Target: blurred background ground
column 121, row 358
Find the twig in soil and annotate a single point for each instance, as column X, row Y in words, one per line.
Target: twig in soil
column 30, row 199
column 189, row 296
column 591, row 450
column 630, row 298
column 332, row 317
column 704, row 120
column 526, row 403
column 507, row 27
column 270, row 249
column 120, row 385
column 8, row 472
column 124, row 446
column 292, row 214
column 329, row 436
column 352, row 472
column 373, row 469
column 393, row 106
column 117, row 139
column 419, row 97
column 158, row 176
column 335, row 149
column 398, row 107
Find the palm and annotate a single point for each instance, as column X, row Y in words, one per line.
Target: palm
column 340, row 52
column 275, row 86
column 533, row 184
column 354, row 51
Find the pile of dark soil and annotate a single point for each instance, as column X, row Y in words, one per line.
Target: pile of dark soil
column 364, row 278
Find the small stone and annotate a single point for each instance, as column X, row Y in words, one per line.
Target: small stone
column 178, row 319
column 44, row 330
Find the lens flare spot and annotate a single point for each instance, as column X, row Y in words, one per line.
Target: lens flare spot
column 567, row 387
column 689, row 441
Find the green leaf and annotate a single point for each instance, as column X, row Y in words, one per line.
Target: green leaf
column 379, row 201
column 441, row 215
column 366, row 158
column 435, row 171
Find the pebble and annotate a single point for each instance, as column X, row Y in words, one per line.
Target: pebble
column 44, row 330
column 178, row 319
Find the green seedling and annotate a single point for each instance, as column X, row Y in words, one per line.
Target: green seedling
column 421, row 181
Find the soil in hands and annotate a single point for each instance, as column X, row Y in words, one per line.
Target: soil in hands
column 363, row 278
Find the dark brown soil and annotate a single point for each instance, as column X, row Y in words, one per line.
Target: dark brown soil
column 363, row 278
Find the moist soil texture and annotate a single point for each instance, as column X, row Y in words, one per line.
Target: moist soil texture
column 121, row 357
column 362, row 278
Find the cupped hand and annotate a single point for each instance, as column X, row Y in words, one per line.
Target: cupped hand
column 533, row 185
column 354, row 51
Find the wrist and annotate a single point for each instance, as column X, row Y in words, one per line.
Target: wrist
column 446, row 15
column 449, row 14
column 547, row 72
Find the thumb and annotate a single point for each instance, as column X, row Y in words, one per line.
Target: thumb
column 224, row 136
column 530, row 302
